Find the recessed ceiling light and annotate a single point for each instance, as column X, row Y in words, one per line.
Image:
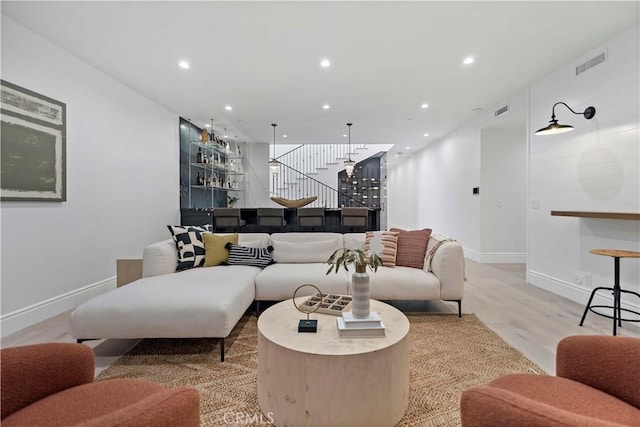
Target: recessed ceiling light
column 325, row 63
column 284, row 136
column 207, row 125
column 326, row 106
column 228, row 108
column 468, row 60
column 344, row 135
column 423, row 106
column 426, row 134
column 184, row 64
column 408, row 148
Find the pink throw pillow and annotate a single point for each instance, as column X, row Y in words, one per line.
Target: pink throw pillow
column 412, row 247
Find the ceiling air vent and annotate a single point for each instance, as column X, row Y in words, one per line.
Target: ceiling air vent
column 591, row 63
column 501, row 110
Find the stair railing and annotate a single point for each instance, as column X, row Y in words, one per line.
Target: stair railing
column 292, row 184
column 309, row 158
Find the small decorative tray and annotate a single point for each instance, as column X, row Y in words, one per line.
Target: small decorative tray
column 328, row 303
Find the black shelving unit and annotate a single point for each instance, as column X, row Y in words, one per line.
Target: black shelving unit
column 365, row 187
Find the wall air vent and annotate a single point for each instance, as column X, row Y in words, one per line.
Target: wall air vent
column 591, row 63
column 501, row 110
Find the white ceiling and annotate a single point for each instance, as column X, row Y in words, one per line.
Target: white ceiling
column 387, row 58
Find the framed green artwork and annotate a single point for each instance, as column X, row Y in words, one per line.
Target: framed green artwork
column 32, row 145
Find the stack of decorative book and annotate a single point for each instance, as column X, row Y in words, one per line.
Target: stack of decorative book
column 352, row 327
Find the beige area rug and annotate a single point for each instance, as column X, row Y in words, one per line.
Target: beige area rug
column 447, row 355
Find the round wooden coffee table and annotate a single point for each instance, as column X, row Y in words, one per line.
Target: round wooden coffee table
column 321, row 379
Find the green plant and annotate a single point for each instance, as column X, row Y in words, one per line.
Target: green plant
column 344, row 257
column 231, row 200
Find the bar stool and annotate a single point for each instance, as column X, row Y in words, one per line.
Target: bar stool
column 271, row 218
column 311, row 217
column 354, row 218
column 227, row 218
column 617, row 309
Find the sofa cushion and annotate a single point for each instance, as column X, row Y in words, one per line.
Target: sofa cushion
column 412, row 247
column 354, row 240
column 403, row 283
column 189, row 244
column 383, row 243
column 277, row 282
column 245, row 255
column 304, row 247
column 195, row 303
column 215, row 252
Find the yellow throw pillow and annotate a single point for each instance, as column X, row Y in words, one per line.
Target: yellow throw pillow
column 214, row 250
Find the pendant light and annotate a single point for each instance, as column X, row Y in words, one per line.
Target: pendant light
column 274, row 165
column 349, row 164
column 554, row 128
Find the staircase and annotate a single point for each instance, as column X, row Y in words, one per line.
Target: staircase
column 301, row 167
column 311, row 158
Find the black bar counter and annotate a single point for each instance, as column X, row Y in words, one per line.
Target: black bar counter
column 250, row 215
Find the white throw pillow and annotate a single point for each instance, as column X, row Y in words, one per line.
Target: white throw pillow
column 301, row 252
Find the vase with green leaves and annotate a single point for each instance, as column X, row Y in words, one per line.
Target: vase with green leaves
column 231, row 201
column 360, row 289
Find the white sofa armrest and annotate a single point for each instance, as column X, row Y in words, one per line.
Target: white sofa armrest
column 445, row 259
column 159, row 258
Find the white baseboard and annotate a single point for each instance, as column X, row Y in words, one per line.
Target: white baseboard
column 574, row 292
column 28, row 316
column 471, row 254
column 495, row 257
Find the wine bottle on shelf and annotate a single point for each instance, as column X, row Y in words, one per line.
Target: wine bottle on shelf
column 198, row 179
column 199, row 155
column 204, row 136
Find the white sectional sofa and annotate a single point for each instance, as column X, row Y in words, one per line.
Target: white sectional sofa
column 209, row 301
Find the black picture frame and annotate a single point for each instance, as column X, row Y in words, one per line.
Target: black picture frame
column 33, row 145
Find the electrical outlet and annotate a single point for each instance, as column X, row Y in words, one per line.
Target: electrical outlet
column 577, row 279
column 499, row 203
column 588, row 279
column 535, row 204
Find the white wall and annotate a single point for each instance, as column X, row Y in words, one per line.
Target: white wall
column 433, row 188
column 594, row 168
column 122, row 184
column 503, row 193
column 258, row 176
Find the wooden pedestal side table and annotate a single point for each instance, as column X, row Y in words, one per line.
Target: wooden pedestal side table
column 322, row 380
column 617, row 291
column 128, row 270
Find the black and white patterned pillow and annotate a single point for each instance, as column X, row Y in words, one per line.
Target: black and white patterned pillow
column 190, row 245
column 244, row 255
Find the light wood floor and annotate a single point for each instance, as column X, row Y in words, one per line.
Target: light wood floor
column 528, row 318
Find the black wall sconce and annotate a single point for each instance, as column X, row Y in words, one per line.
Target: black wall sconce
column 554, row 127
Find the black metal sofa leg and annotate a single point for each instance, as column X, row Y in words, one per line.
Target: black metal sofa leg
column 222, row 349
column 459, row 301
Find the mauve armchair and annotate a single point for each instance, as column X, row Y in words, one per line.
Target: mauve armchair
column 597, row 383
column 52, row 385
